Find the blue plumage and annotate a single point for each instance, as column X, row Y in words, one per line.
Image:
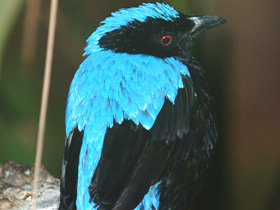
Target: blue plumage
column 120, row 83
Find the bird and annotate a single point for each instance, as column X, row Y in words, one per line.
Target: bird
column 140, row 124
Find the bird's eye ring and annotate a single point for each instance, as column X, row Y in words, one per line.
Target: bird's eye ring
column 166, row 40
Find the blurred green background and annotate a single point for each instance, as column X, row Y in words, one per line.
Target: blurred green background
column 242, row 60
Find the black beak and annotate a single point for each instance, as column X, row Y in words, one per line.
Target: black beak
column 202, row 23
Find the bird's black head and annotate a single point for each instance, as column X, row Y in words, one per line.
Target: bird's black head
column 158, row 37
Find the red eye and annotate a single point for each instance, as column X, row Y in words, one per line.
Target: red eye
column 166, row 40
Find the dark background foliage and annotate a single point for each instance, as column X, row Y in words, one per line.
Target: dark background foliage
column 242, row 63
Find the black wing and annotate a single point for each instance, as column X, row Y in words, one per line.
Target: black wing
column 129, row 164
column 133, row 158
column 69, row 176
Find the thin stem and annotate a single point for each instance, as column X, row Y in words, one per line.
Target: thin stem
column 44, row 101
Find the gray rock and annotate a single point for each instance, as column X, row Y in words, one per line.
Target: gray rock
column 16, row 182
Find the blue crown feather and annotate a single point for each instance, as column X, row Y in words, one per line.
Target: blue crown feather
column 123, row 17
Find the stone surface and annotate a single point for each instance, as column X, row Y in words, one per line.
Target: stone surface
column 16, row 181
